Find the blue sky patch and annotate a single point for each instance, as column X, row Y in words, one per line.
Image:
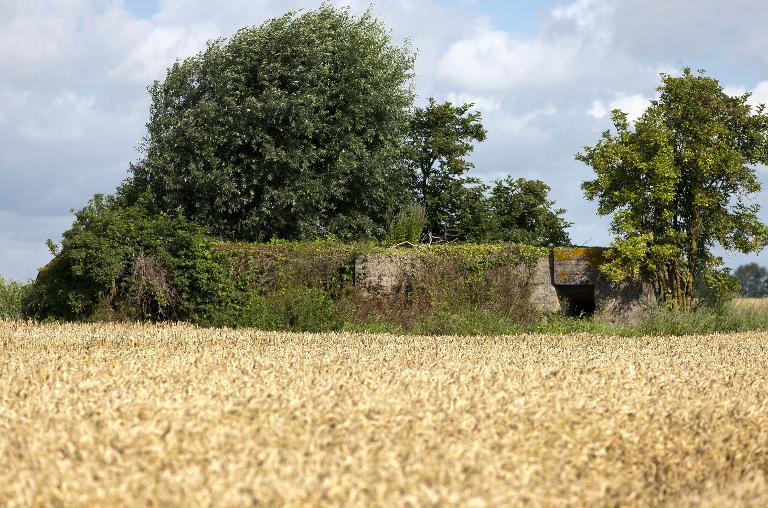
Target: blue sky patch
column 143, row 8
column 520, row 17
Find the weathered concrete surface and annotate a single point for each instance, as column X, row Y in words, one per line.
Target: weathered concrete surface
column 625, row 302
column 576, row 266
column 572, row 267
column 385, row 274
column 543, row 294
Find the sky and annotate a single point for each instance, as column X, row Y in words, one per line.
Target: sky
column 544, row 74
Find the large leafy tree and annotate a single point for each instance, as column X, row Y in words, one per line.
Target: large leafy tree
column 439, row 139
column 680, row 183
column 753, row 279
column 522, row 212
column 291, row 129
column 512, row 210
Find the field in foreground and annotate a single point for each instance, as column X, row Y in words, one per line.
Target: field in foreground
column 119, row 414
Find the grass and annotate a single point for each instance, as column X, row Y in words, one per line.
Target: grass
column 12, row 294
column 108, row 414
column 740, row 315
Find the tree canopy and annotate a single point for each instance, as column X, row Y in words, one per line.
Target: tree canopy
column 753, row 279
column 680, row 183
column 439, row 139
column 291, row 129
column 521, row 212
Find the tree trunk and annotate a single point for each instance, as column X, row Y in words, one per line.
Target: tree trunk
column 674, row 287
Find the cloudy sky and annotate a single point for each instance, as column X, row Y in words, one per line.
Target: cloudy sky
column 544, row 73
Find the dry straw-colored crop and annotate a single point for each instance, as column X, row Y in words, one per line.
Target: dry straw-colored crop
column 176, row 415
column 757, row 304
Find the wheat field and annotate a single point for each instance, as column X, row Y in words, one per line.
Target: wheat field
column 121, row 415
column 758, row 304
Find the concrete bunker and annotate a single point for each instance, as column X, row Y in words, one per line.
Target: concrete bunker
column 577, row 301
column 575, row 273
column 568, row 281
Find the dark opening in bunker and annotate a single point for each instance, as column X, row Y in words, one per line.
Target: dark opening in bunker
column 577, row 301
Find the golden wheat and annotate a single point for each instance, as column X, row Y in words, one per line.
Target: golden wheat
column 176, row 415
column 760, row 304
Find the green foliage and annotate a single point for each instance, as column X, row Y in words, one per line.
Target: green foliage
column 12, row 296
column 309, row 286
column 520, row 212
column 297, row 309
column 465, row 215
column 122, row 260
column 753, row 279
column 510, row 210
column 267, row 268
column 438, row 141
column 679, row 184
column 290, row 130
column 407, row 225
column 457, row 207
column 728, row 318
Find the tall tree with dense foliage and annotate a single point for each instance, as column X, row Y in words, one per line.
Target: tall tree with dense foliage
column 439, row 139
column 753, row 279
column 522, row 212
column 291, row 129
column 680, row 183
column 513, row 210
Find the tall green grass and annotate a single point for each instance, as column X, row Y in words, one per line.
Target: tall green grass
column 12, row 294
column 736, row 316
column 407, row 225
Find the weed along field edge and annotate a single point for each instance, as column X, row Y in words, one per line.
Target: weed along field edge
column 108, row 414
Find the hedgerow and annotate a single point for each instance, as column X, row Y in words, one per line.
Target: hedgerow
column 311, row 285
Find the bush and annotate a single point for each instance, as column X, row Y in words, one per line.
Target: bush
column 122, row 260
column 12, row 295
column 295, row 309
column 407, row 225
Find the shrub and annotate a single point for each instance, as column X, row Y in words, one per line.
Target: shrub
column 12, row 295
column 296, row 309
column 125, row 261
column 407, row 225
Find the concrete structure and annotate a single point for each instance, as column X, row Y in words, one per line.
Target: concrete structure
column 568, row 281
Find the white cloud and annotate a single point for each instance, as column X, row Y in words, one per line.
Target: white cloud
column 599, row 110
column 585, row 14
column 158, row 49
column 524, row 127
column 734, row 91
column 760, row 94
column 484, row 104
column 490, row 59
column 61, row 118
column 633, row 105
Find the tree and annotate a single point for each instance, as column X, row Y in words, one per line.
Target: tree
column 465, row 213
column 291, row 129
column 680, row 183
column 753, row 279
column 439, row 139
column 510, row 210
column 522, row 213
